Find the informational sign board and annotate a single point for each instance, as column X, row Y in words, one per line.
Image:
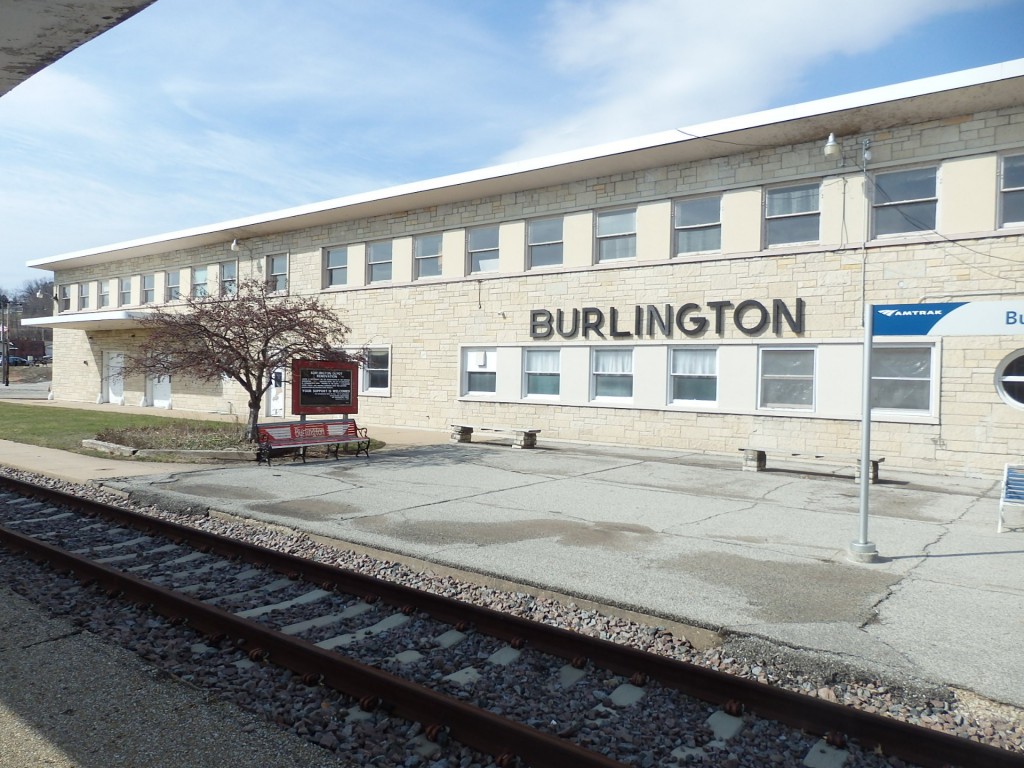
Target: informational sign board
column 324, row 387
column 964, row 318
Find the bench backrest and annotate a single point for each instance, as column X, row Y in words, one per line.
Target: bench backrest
column 1013, row 484
column 306, row 429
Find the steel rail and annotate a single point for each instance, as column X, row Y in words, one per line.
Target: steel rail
column 472, row 726
column 922, row 746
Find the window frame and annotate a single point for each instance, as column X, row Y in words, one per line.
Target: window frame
column 124, row 291
column 597, row 378
column 528, row 373
column 812, row 377
column 277, row 279
column 931, row 379
column 1001, row 377
column 199, row 289
column 330, row 272
column 673, row 376
column 103, row 294
column 678, row 230
column 1014, row 192
column 889, row 205
column 534, row 246
column 371, row 264
column 147, row 288
column 83, row 295
column 420, row 259
column 172, row 285
column 224, row 281
column 774, row 223
column 365, row 371
column 489, row 366
column 624, row 236
column 473, row 258
column 64, row 298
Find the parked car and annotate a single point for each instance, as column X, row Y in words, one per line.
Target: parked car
column 12, row 360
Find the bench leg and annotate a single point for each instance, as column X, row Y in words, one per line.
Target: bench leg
column 873, row 477
column 462, row 434
column 754, row 461
column 524, row 440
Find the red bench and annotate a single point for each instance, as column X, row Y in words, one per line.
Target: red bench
column 303, row 434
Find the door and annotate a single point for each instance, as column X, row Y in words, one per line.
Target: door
column 113, row 378
column 158, row 391
column 275, row 395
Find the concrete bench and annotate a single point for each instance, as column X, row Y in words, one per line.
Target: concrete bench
column 303, row 434
column 1013, row 491
column 756, row 459
column 521, row 438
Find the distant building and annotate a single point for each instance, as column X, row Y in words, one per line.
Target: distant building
column 696, row 290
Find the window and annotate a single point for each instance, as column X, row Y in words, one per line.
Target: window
column 791, row 214
column 83, row 295
column 148, row 288
column 901, row 378
column 277, row 273
column 426, row 253
column 544, row 243
column 336, row 266
column 541, row 369
column 698, row 225
column 787, row 378
column 480, row 370
column 1010, row 379
column 377, row 370
column 1012, row 213
column 616, row 235
column 64, row 298
column 483, row 249
column 172, row 285
column 378, row 261
column 103, row 298
column 228, row 278
column 905, row 201
column 199, row 283
column 612, row 373
column 694, row 375
column 124, row 291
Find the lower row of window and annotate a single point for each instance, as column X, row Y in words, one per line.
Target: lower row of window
column 901, row 376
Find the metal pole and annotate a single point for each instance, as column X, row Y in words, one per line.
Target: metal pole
column 5, row 333
column 862, row 550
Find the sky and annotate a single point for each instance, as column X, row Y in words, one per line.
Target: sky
column 195, row 112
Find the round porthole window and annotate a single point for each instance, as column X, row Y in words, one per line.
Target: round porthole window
column 1010, row 379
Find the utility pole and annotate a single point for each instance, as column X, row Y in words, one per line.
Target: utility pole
column 5, row 312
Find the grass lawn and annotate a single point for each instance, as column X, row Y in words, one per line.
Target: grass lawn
column 66, row 428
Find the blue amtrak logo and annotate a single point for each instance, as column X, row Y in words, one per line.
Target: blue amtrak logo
column 910, row 319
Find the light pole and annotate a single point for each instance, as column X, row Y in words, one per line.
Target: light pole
column 6, row 305
column 5, row 311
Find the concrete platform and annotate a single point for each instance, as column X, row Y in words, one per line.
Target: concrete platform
column 685, row 536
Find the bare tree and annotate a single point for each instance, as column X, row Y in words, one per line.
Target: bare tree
column 244, row 336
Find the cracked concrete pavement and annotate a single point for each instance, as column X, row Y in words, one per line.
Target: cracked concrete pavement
column 688, row 537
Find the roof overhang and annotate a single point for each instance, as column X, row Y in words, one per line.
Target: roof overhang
column 35, row 33
column 90, row 321
column 966, row 92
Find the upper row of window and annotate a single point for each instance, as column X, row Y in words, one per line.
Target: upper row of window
column 903, row 201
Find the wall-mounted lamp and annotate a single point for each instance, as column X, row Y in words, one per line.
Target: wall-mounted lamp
column 832, row 147
column 234, row 245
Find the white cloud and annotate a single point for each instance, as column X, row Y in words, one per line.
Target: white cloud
column 650, row 65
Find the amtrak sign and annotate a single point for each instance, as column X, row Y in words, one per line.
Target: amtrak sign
column 964, row 318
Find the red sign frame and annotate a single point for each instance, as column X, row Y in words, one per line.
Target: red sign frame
column 324, row 387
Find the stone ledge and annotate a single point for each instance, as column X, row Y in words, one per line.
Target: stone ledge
column 169, row 454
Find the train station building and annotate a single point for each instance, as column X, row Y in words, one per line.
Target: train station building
column 701, row 289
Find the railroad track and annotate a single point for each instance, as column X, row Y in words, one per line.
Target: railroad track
column 522, row 692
